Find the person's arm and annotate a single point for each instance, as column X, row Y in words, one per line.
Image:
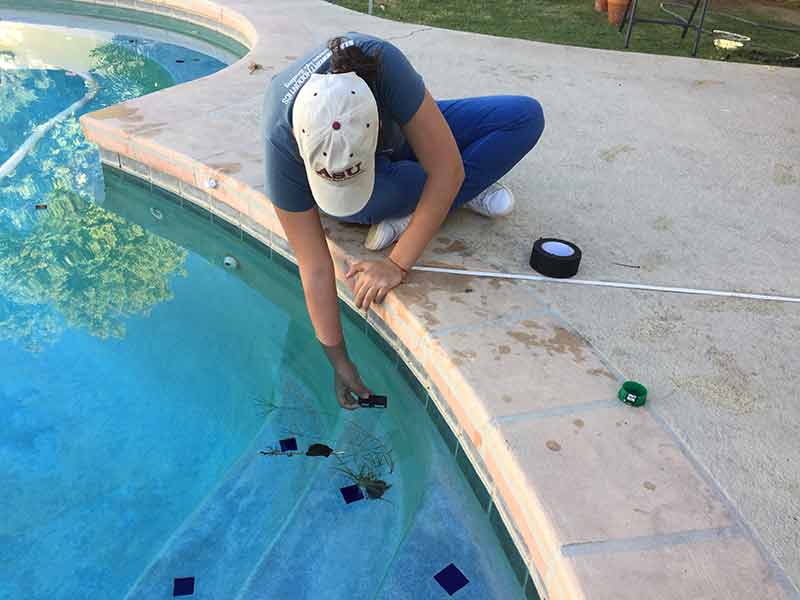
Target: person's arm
column 435, row 147
column 307, row 239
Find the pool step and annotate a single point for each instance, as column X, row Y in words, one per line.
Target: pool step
column 222, row 541
column 330, row 549
column 385, row 549
column 278, row 527
column 445, row 531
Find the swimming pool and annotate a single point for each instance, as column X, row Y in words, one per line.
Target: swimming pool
column 141, row 380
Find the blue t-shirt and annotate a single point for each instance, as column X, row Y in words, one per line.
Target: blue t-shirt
column 398, row 89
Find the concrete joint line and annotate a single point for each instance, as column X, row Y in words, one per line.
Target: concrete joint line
column 649, row 542
column 556, row 411
column 604, row 360
column 777, row 569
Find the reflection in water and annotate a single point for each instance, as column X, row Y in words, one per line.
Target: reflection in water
column 124, row 73
column 18, row 89
column 80, row 266
column 27, row 97
column 73, row 264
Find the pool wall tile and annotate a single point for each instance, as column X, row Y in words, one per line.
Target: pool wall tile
column 163, row 180
column 165, row 162
column 282, row 246
column 223, row 222
column 199, row 210
column 226, row 212
column 457, row 410
column 165, row 194
column 110, row 158
column 474, row 480
column 255, row 242
column 510, row 549
column 445, row 431
column 382, row 343
column 195, row 195
column 220, row 187
column 260, row 212
column 530, row 590
column 134, row 166
column 506, row 499
column 256, row 230
column 284, row 262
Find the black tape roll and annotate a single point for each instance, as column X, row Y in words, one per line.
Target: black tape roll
column 555, row 258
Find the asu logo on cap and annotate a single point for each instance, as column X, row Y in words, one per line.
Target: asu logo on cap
column 341, row 175
column 335, row 123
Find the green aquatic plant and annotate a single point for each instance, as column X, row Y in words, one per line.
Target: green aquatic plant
column 366, row 460
column 367, row 479
column 361, row 455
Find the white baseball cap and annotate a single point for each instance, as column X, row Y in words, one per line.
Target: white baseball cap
column 335, row 124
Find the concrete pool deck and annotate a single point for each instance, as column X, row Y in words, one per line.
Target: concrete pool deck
column 683, row 167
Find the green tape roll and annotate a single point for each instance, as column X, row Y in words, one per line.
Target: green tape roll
column 633, row 393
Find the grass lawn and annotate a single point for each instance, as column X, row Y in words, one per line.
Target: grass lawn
column 576, row 23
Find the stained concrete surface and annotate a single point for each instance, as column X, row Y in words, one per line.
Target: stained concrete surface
column 689, row 169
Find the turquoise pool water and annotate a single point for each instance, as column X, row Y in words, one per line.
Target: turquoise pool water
column 140, row 380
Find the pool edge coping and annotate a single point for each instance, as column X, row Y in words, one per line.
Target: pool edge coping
column 222, row 194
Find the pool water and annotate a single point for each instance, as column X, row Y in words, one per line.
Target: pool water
column 141, row 380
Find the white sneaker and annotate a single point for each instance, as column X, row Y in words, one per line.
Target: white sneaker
column 495, row 201
column 386, row 233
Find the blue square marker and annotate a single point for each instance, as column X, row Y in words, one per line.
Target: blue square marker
column 351, row 493
column 288, row 445
column 451, row 579
column 183, row 586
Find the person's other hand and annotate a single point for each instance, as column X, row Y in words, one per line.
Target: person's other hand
column 348, row 382
column 372, row 280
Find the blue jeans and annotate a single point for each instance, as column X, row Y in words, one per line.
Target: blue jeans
column 493, row 134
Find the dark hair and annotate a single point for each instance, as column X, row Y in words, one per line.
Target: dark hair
column 346, row 57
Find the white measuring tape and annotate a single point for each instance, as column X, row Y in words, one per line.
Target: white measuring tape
column 612, row 284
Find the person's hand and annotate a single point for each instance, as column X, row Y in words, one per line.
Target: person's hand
column 347, row 382
column 372, row 280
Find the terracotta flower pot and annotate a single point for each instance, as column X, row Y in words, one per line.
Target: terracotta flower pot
column 616, row 11
column 600, row 5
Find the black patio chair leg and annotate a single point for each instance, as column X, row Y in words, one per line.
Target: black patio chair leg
column 625, row 16
column 632, row 8
column 699, row 28
column 690, row 19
